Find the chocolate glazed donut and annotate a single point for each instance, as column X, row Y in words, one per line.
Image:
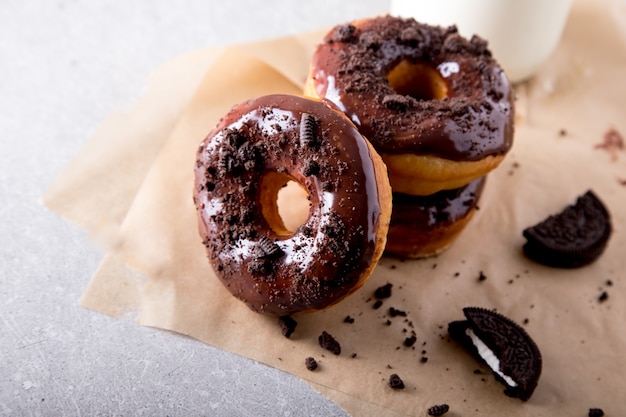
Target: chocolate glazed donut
column 436, row 106
column 257, row 148
column 423, row 226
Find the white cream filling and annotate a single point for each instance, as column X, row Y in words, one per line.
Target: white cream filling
column 489, row 357
column 446, row 69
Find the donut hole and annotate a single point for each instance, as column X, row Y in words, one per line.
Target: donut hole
column 284, row 203
column 418, row 80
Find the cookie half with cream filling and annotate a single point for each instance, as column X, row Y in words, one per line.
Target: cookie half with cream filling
column 502, row 345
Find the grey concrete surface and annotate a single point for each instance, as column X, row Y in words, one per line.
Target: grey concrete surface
column 64, row 66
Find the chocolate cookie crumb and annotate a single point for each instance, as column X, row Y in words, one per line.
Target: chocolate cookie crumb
column 310, row 363
column 312, row 168
column 343, row 33
column 393, row 312
column 309, row 130
column 353, row 355
column 287, row 325
column 438, row 410
column 398, row 102
column 383, row 292
column 423, row 359
column 603, row 297
column 377, row 304
column 410, row 341
column 596, row 412
column 395, row 382
column 329, row 343
column 348, row 319
column 482, row 276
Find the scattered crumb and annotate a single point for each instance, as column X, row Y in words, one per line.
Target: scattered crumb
column 608, row 283
column 395, row 382
column 377, row 304
column 383, row 292
column 310, row 363
column 329, row 343
column 423, row 359
column 393, row 312
column 603, row 296
column 287, row 325
column 353, row 355
column 438, row 410
column 456, row 274
column 525, row 321
column 410, row 341
column 482, row 276
column 348, row 319
column 562, row 132
column 596, row 412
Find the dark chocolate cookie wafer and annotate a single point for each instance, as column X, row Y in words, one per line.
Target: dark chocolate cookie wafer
column 573, row 238
column 504, row 346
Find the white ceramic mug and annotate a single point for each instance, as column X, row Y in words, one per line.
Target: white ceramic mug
column 521, row 33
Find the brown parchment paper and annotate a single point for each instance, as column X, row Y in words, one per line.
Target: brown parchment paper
column 157, row 265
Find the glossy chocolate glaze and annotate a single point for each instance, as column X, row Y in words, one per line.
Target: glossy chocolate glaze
column 305, row 141
column 435, row 210
column 351, row 66
column 424, row 226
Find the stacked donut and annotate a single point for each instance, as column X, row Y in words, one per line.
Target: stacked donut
column 436, row 106
column 437, row 111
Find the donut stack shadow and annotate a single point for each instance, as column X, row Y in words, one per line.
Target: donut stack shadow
column 436, row 106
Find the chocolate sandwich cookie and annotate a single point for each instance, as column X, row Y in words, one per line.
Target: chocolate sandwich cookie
column 502, row 345
column 573, row 238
